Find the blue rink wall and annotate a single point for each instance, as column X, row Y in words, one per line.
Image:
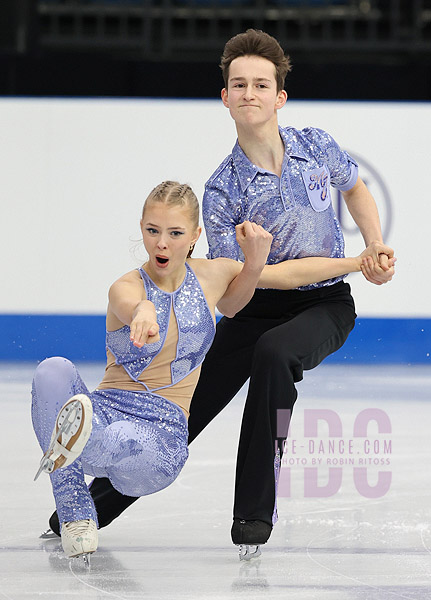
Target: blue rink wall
column 81, row 338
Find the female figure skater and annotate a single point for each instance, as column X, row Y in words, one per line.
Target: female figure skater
column 160, row 323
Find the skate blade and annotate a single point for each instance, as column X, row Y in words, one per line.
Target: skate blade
column 49, row 535
column 246, row 554
column 83, row 560
column 46, row 464
column 86, row 560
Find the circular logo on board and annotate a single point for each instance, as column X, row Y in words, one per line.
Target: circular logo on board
column 381, row 195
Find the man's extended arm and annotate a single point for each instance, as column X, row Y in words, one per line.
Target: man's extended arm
column 363, row 209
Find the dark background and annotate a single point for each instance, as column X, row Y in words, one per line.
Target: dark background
column 340, row 49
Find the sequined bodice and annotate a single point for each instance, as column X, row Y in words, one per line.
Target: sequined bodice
column 195, row 330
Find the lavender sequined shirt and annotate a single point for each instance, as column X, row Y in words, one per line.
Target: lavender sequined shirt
column 296, row 208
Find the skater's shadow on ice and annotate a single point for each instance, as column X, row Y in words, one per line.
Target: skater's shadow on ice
column 106, row 571
column 250, row 577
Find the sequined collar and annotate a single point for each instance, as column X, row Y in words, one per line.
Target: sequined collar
column 247, row 171
column 292, row 146
column 145, row 276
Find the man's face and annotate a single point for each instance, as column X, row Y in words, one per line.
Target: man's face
column 251, row 95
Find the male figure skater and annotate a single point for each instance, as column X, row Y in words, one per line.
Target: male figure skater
column 278, row 178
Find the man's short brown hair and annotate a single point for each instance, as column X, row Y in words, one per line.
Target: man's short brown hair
column 256, row 43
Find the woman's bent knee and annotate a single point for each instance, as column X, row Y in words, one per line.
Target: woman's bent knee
column 56, row 366
column 144, row 481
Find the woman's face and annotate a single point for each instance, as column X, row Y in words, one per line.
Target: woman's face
column 167, row 232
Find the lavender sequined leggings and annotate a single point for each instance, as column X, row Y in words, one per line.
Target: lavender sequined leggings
column 138, row 439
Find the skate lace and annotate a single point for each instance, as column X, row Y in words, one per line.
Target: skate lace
column 78, row 527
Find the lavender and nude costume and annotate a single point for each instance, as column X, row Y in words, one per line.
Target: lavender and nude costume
column 138, row 439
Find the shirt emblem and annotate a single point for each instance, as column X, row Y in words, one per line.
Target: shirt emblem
column 317, row 186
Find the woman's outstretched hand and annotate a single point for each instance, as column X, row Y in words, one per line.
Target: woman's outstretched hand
column 144, row 328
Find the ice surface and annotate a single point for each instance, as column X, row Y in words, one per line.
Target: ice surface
column 176, row 544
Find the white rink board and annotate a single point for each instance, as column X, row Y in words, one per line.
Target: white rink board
column 75, row 174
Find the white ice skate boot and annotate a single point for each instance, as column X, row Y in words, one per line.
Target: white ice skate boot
column 71, row 432
column 79, row 539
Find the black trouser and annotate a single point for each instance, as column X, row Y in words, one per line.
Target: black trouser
column 272, row 340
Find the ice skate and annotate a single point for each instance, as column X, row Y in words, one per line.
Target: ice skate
column 249, row 535
column 79, row 539
column 71, row 432
column 247, row 552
